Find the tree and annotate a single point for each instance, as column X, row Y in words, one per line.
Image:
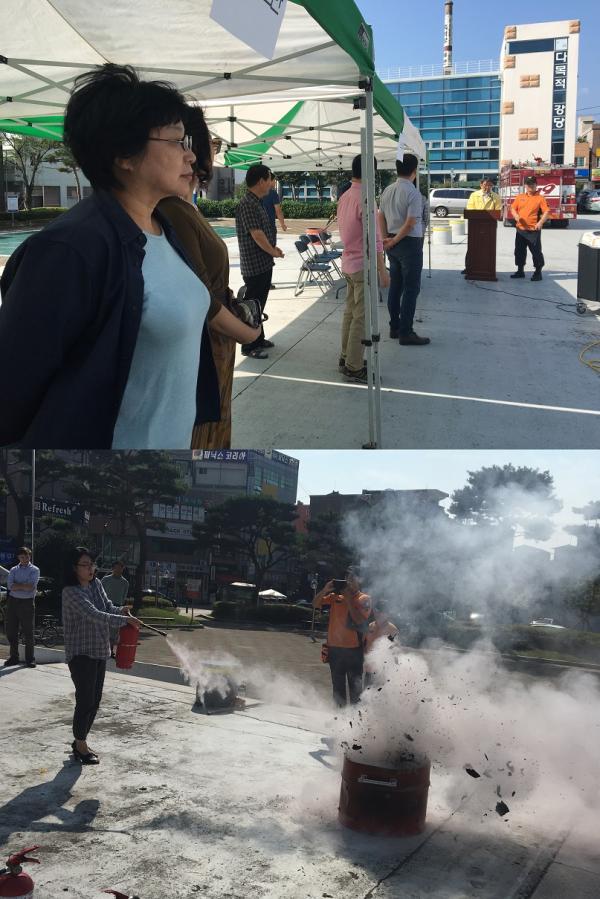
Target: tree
column 15, row 467
column 66, row 162
column 584, row 599
column 29, row 153
column 293, row 180
column 258, row 530
column 516, row 498
column 56, row 540
column 325, row 546
column 122, row 484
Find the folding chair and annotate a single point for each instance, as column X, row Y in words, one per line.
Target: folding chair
column 326, row 254
column 312, row 271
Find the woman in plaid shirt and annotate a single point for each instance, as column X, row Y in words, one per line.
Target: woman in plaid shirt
column 88, row 618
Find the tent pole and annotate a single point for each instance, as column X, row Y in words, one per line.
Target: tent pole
column 428, row 211
column 367, row 300
column 372, row 290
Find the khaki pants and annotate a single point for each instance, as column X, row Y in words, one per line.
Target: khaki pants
column 353, row 325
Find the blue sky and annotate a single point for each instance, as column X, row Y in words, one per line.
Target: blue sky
column 576, row 473
column 410, row 34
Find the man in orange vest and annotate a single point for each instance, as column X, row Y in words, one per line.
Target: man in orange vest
column 349, row 613
column 530, row 212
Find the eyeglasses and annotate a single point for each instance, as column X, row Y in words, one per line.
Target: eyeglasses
column 86, row 565
column 184, row 142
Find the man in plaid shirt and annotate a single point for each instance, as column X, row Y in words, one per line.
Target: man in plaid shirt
column 257, row 248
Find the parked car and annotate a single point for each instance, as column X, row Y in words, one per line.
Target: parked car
column 545, row 622
column 444, row 201
column 581, row 199
column 592, row 201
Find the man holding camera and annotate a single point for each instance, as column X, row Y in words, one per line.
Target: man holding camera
column 349, row 613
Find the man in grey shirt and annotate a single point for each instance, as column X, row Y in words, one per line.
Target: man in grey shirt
column 115, row 585
column 401, row 223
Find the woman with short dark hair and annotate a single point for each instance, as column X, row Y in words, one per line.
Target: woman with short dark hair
column 210, row 257
column 103, row 315
column 89, row 617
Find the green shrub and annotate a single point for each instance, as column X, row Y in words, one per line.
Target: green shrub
column 292, row 209
column 277, row 613
column 304, row 209
column 43, row 214
column 226, row 611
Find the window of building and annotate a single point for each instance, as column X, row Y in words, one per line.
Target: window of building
column 541, row 45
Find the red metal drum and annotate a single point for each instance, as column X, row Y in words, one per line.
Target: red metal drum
column 385, row 796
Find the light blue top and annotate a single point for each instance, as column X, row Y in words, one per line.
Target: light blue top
column 400, row 201
column 159, row 404
column 23, row 574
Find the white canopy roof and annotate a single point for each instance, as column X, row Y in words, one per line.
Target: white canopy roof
column 45, row 44
column 305, row 136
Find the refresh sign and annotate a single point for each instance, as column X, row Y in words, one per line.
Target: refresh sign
column 255, row 22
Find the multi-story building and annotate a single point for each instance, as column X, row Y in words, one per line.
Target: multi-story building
column 458, row 116
column 334, row 503
column 175, row 563
column 475, row 115
column 539, row 92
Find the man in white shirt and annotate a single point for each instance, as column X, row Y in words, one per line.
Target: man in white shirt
column 20, row 607
column 401, row 223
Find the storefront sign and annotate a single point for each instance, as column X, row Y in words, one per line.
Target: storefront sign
column 61, row 509
column 174, row 530
column 219, row 455
column 559, row 100
column 255, row 22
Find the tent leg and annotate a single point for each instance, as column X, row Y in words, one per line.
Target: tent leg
column 429, row 213
column 372, row 335
column 368, row 310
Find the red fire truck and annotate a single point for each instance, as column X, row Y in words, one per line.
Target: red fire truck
column 555, row 182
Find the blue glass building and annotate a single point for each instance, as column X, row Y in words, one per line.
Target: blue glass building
column 459, row 119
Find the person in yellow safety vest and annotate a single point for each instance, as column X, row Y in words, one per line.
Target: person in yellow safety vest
column 483, row 199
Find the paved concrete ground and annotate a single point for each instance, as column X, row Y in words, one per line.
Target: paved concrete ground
column 502, row 370
column 243, row 804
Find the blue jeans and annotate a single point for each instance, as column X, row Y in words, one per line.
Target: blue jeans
column 406, row 265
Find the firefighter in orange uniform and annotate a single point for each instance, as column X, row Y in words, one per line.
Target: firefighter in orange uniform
column 349, row 613
column 530, row 212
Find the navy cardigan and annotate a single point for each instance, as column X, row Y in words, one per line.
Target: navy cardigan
column 72, row 298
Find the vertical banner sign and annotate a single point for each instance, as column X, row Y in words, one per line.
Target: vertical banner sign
column 255, row 22
column 559, row 100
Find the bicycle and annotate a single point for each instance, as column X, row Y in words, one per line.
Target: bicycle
column 48, row 632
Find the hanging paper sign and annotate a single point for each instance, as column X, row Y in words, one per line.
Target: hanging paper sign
column 255, row 22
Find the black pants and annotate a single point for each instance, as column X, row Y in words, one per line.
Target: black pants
column 406, row 266
column 258, row 289
column 533, row 240
column 20, row 613
column 346, row 665
column 88, row 676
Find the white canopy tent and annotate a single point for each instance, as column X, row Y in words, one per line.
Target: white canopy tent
column 321, row 49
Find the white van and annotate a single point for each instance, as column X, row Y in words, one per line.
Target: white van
column 444, row 201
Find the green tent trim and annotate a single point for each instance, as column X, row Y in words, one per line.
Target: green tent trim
column 47, row 127
column 248, row 155
column 343, row 22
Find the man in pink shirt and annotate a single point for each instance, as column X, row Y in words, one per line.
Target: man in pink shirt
column 349, row 214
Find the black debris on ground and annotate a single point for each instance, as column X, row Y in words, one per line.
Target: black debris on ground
column 502, row 809
column 356, row 746
column 471, row 771
column 408, row 737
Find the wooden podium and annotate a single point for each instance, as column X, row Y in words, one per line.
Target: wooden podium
column 481, row 247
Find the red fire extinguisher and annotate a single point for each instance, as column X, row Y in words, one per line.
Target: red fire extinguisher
column 127, row 645
column 14, row 882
